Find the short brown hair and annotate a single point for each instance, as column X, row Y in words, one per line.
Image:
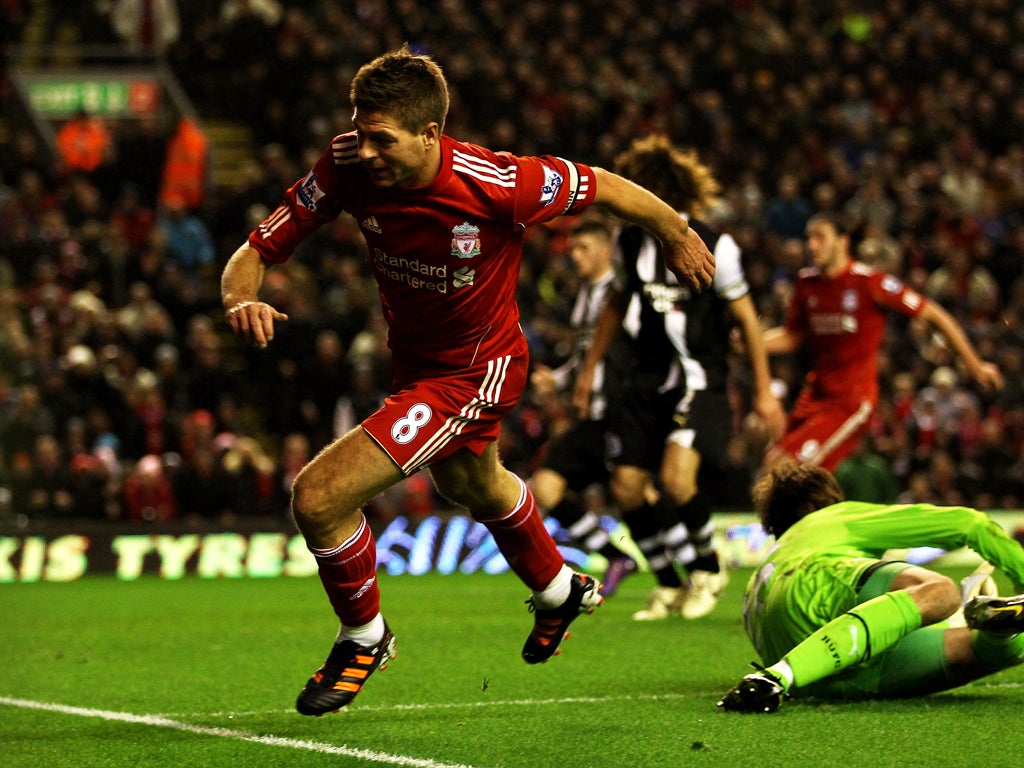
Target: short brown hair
column 595, row 227
column 789, row 491
column 410, row 87
column 838, row 222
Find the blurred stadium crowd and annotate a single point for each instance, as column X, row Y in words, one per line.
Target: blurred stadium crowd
column 122, row 395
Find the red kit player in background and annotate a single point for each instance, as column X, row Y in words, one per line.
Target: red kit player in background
column 443, row 222
column 837, row 315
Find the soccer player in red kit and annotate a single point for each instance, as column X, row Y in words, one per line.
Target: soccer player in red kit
column 837, row 315
column 443, row 222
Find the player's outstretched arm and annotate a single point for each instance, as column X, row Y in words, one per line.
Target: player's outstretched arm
column 986, row 374
column 250, row 318
column 685, row 253
column 780, row 341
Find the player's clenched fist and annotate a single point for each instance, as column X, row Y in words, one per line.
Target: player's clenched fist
column 254, row 321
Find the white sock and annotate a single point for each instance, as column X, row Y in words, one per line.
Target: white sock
column 781, row 669
column 366, row 634
column 557, row 592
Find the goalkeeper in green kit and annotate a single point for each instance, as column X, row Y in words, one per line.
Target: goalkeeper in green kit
column 831, row 619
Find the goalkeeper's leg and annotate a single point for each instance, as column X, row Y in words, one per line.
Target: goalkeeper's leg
column 949, row 654
column 916, row 597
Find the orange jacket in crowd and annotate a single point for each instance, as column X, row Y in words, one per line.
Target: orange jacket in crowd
column 84, row 143
column 185, row 168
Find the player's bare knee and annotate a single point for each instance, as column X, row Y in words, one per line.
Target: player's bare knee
column 465, row 492
column 309, row 503
column 486, row 494
column 937, row 598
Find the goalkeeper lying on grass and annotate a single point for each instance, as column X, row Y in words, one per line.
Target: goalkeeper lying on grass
column 833, row 620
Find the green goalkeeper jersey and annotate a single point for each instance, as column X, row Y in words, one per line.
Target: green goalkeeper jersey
column 812, row 573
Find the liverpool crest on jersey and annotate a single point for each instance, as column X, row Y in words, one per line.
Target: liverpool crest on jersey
column 466, row 240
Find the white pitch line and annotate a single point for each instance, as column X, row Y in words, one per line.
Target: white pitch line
column 272, row 741
column 529, row 702
column 351, row 711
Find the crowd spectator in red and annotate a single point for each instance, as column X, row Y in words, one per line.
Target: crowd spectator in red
column 148, row 493
column 198, row 430
column 133, row 220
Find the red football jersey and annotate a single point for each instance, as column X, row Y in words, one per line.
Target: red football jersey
column 842, row 321
column 446, row 256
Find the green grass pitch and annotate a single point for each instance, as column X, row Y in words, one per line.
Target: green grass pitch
column 199, row 672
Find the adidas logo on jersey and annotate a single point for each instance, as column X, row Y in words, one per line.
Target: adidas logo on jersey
column 371, row 224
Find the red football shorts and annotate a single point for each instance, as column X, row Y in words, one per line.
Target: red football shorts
column 823, row 433
column 428, row 417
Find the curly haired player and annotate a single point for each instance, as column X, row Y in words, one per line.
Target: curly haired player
column 672, row 425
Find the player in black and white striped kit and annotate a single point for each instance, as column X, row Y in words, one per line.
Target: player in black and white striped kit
column 675, row 421
column 575, row 459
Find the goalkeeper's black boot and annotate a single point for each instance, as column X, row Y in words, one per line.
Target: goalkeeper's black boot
column 551, row 625
column 343, row 674
column 999, row 615
column 759, row 692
